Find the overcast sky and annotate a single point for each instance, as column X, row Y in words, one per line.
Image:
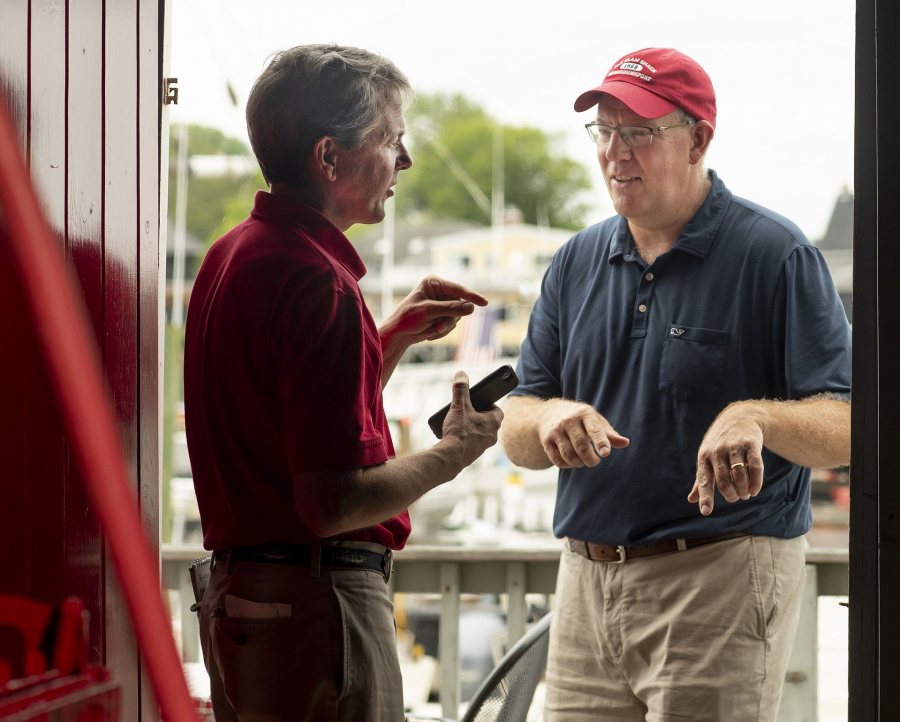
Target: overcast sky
column 782, row 69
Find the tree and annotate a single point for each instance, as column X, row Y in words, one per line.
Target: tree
column 544, row 185
column 214, row 203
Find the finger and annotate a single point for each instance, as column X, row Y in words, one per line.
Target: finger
column 568, row 453
column 724, row 482
column 453, row 309
column 440, row 288
column 551, row 449
column 604, row 441
column 739, row 476
column 703, row 492
column 439, row 328
column 755, row 472
column 597, row 436
column 584, row 448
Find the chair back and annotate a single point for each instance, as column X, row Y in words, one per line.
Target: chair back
column 506, row 694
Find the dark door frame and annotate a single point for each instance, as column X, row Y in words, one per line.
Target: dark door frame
column 875, row 489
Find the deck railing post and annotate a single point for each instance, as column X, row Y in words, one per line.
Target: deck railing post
column 449, row 640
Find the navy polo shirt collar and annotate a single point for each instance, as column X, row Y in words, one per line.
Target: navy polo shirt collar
column 317, row 228
column 696, row 237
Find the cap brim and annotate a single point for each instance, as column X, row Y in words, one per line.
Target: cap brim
column 639, row 100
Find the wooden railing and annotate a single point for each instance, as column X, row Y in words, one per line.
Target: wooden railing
column 452, row 572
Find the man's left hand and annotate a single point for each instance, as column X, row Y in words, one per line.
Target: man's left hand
column 730, row 459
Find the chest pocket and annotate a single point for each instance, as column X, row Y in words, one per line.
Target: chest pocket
column 692, row 366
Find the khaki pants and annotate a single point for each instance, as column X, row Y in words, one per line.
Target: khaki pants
column 280, row 645
column 703, row 635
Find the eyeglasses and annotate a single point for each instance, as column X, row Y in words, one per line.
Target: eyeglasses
column 634, row 136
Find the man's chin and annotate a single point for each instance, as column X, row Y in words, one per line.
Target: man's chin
column 377, row 216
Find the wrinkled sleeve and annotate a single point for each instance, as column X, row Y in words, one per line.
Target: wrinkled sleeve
column 539, row 366
column 817, row 333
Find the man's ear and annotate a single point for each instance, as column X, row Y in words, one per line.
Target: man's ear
column 324, row 158
column 702, row 134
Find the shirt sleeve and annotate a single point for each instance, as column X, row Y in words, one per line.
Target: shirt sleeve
column 817, row 356
column 324, row 352
column 539, row 366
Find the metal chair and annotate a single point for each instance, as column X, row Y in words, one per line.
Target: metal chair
column 506, row 694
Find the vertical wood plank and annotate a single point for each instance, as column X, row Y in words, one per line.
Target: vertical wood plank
column 14, row 487
column 151, row 17
column 150, row 271
column 516, row 609
column 48, row 109
column 448, row 640
column 120, row 297
column 45, row 452
column 84, row 243
column 14, row 65
column 14, row 367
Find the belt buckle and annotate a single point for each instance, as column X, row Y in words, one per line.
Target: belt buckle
column 387, row 564
column 623, row 557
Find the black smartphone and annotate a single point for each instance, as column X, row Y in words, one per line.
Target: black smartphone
column 484, row 395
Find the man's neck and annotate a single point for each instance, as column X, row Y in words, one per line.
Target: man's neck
column 654, row 242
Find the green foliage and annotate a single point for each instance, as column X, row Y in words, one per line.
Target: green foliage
column 206, row 141
column 544, row 185
column 541, row 183
column 214, row 204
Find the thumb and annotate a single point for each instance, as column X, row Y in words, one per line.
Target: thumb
column 460, row 388
column 616, row 440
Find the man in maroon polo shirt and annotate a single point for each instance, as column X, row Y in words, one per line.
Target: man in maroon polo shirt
column 300, row 496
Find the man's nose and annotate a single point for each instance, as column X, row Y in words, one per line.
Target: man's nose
column 404, row 160
column 616, row 149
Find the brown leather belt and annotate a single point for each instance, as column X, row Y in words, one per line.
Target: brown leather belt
column 622, row 553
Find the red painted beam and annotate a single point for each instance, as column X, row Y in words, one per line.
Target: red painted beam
column 61, row 326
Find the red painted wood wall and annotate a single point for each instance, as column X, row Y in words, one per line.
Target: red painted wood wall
column 83, row 83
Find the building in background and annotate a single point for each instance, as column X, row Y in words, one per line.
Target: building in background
column 504, row 263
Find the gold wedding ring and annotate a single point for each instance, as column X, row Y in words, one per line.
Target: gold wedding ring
column 738, row 465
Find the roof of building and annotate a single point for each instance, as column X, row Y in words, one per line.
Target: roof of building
column 839, row 233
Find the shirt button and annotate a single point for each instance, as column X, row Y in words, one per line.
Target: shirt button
column 642, row 308
column 649, row 276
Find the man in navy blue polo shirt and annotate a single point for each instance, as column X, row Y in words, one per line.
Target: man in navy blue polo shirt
column 687, row 362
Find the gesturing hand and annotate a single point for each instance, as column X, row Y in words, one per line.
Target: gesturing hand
column 573, row 434
column 729, row 458
column 475, row 431
column 431, row 311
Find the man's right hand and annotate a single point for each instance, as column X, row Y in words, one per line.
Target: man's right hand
column 474, row 431
column 574, row 435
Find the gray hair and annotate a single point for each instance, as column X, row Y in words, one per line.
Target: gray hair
column 311, row 91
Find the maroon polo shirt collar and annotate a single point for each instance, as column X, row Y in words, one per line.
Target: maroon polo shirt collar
column 281, row 210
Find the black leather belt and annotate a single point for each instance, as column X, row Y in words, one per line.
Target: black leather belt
column 350, row 555
column 622, row 553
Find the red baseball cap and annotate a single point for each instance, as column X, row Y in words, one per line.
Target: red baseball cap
column 654, row 82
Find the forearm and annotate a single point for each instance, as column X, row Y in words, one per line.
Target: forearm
column 333, row 503
column 812, row 432
column 392, row 350
column 520, row 432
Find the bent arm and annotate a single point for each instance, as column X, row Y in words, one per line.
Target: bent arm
column 332, row 503
column 520, row 432
column 560, row 432
column 812, row 432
